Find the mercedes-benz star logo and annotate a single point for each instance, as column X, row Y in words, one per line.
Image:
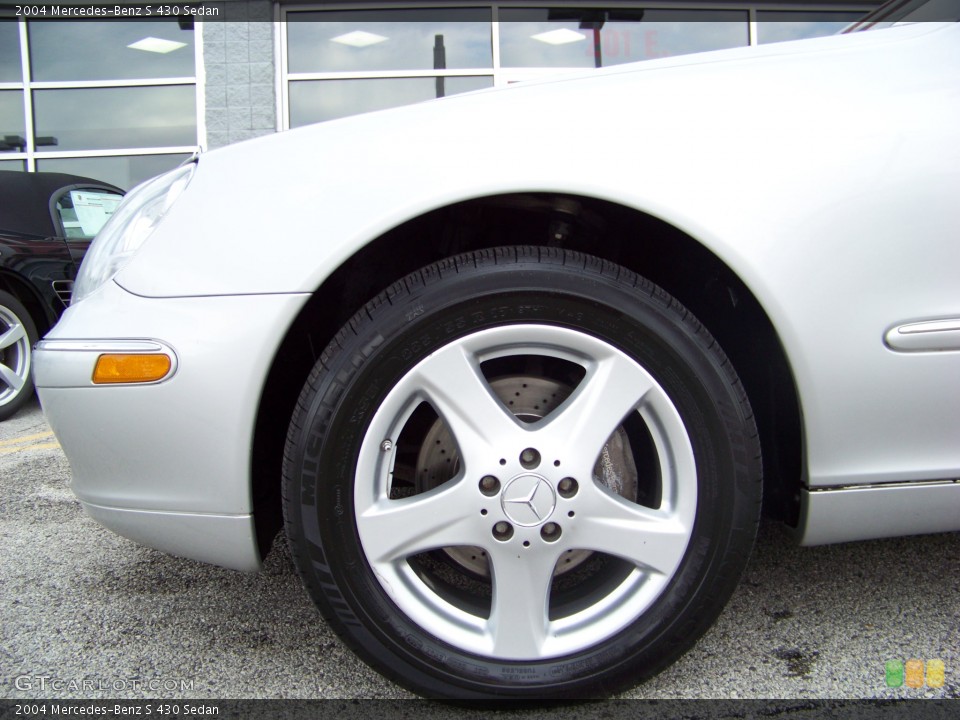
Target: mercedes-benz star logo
column 528, row 500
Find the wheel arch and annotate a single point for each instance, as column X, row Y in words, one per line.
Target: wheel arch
column 42, row 317
column 639, row 241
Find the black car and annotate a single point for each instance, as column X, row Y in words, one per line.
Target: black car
column 46, row 223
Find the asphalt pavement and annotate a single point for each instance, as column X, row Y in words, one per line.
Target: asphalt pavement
column 87, row 614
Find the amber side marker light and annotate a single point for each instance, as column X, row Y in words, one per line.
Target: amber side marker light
column 140, row 368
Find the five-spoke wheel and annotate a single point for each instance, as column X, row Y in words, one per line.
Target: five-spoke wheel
column 527, row 493
column 17, row 336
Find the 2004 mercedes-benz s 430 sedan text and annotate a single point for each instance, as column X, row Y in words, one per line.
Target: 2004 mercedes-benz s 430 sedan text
column 516, row 372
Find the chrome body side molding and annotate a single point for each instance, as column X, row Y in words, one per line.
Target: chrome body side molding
column 833, row 515
column 930, row 336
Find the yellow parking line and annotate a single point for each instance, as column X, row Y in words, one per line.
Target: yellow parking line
column 26, row 438
column 25, row 442
column 38, row 446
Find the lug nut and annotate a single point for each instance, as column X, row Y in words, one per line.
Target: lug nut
column 529, row 458
column 502, row 531
column 567, row 487
column 550, row 532
column 489, row 485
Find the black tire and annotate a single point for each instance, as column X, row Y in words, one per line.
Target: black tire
column 18, row 334
column 468, row 553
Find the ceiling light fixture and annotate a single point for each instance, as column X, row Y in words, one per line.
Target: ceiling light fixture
column 559, row 37
column 359, row 38
column 156, row 45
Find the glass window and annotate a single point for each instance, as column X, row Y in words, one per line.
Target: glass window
column 71, row 51
column 124, row 171
column 13, row 131
column 360, row 41
column 568, row 37
column 10, row 68
column 16, row 165
column 910, row 11
column 317, row 100
column 789, row 25
column 124, row 117
column 83, row 212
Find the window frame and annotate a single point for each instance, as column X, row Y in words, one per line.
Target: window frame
column 502, row 76
column 30, row 155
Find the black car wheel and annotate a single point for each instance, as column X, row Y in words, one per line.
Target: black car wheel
column 521, row 473
column 17, row 337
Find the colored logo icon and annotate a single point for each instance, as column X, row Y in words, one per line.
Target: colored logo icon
column 894, row 673
column 914, row 673
column 914, row 670
column 935, row 673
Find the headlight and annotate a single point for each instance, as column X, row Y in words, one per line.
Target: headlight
column 128, row 228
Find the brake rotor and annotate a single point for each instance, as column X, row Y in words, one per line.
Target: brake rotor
column 530, row 399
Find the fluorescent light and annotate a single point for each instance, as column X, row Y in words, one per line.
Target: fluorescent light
column 358, row 38
column 156, row 45
column 559, row 37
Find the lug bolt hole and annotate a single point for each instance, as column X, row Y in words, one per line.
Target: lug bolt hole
column 526, row 543
column 483, row 512
column 489, row 485
column 571, row 513
column 530, row 459
column 550, row 532
column 568, row 487
column 502, row 531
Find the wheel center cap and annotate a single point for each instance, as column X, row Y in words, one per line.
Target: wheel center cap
column 528, row 500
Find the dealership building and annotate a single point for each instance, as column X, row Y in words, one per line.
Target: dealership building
column 123, row 100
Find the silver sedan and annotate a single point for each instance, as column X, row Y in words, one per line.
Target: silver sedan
column 516, row 371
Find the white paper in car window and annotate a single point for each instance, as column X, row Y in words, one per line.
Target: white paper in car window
column 93, row 209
